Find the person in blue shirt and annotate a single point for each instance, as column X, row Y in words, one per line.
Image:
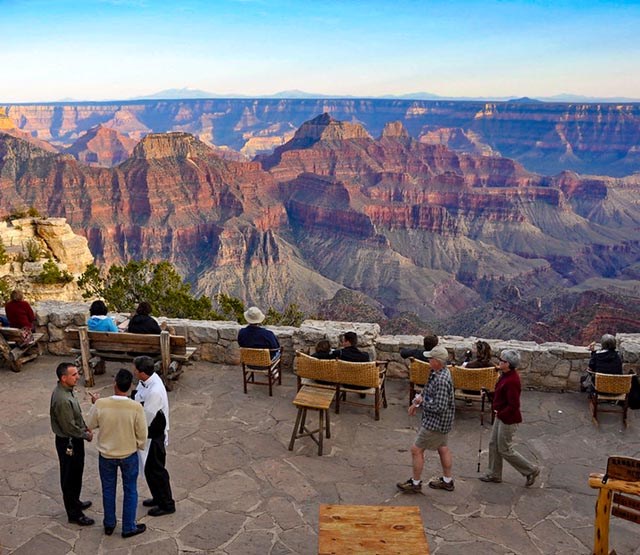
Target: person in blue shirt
column 254, row 336
column 98, row 320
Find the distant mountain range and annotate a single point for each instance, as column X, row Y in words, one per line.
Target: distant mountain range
column 187, row 93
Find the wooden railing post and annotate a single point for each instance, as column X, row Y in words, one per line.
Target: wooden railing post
column 85, row 354
column 165, row 355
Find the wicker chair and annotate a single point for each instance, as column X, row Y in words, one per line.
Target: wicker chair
column 419, row 372
column 610, row 388
column 258, row 361
column 474, row 385
column 367, row 375
column 315, row 372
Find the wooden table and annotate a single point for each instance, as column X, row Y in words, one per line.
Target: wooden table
column 315, row 398
column 371, row 529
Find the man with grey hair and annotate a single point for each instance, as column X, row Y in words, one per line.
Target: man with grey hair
column 438, row 409
column 506, row 408
column 605, row 360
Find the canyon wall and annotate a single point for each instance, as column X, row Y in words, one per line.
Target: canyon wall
column 599, row 139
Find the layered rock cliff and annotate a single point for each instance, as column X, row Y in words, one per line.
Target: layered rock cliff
column 31, row 242
column 418, row 227
column 101, row 146
column 600, row 139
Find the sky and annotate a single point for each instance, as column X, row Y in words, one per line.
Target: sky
column 119, row 49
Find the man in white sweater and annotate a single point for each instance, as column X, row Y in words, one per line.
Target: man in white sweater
column 122, row 430
column 152, row 394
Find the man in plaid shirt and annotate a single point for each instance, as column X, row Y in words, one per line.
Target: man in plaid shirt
column 438, row 409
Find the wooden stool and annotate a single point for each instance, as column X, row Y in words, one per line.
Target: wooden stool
column 314, row 398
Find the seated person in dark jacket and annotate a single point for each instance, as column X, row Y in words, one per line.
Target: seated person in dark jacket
column 254, row 336
column 142, row 321
column 323, row 350
column 606, row 360
column 349, row 351
column 483, row 357
column 429, row 342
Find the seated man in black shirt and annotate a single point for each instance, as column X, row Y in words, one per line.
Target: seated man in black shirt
column 349, row 349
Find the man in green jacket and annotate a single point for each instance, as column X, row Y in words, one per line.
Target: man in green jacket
column 71, row 433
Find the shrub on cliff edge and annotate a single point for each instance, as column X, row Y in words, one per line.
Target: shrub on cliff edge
column 123, row 287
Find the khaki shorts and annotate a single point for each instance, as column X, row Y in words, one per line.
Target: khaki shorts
column 428, row 439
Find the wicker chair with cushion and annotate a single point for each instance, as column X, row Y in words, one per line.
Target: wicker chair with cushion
column 315, row 372
column 368, row 377
column 473, row 385
column 612, row 389
column 258, row 361
column 418, row 375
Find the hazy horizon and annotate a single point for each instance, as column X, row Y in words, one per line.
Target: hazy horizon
column 121, row 49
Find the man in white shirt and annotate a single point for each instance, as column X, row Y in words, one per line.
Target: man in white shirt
column 152, row 394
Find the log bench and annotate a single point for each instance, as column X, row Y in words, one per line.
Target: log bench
column 96, row 346
column 14, row 354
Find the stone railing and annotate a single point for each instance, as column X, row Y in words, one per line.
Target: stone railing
column 555, row 366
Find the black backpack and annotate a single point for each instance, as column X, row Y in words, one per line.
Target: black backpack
column 634, row 394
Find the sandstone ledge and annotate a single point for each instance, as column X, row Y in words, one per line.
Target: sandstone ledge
column 553, row 366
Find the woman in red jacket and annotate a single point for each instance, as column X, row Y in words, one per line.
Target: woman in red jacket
column 19, row 312
column 506, row 406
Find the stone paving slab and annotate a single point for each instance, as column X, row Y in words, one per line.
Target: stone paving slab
column 240, row 491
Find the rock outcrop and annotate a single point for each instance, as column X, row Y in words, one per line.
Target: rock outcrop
column 31, row 242
column 101, row 146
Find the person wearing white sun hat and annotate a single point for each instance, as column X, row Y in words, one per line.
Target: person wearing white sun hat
column 254, row 336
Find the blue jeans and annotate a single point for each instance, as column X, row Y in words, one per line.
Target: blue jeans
column 109, row 477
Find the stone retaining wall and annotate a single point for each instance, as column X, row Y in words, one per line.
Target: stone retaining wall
column 554, row 366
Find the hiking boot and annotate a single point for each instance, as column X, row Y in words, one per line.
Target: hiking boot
column 531, row 478
column 490, row 478
column 439, row 483
column 409, row 486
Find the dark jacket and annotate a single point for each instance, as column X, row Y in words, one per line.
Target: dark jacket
column 415, row 353
column 506, row 399
column 324, row 356
column 143, row 323
column 351, row 354
column 606, row 362
column 255, row 336
column 480, row 363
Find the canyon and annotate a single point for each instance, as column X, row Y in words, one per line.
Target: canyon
column 468, row 242
column 545, row 137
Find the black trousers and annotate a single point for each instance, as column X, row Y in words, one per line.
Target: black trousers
column 71, row 469
column 157, row 476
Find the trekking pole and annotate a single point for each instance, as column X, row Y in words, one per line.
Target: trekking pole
column 483, row 393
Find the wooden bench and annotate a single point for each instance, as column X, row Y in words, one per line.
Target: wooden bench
column 619, row 495
column 14, row 354
column 474, row 385
column 362, row 378
column 98, row 345
column 419, row 372
column 381, row 529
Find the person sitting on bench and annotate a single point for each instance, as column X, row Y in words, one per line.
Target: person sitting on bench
column 98, row 319
column 143, row 322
